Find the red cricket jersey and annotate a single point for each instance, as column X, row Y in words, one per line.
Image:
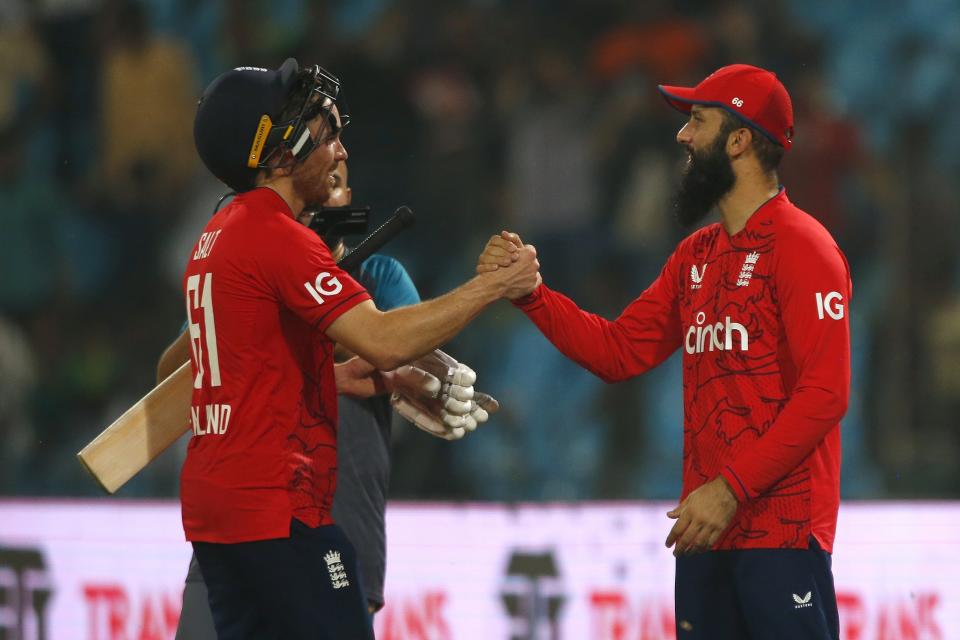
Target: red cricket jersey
column 762, row 318
column 261, row 289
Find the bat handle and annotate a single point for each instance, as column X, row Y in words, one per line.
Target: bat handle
column 401, row 219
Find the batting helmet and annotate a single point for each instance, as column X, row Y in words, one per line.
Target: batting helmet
column 237, row 129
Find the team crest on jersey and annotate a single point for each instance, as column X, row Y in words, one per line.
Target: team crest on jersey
column 696, row 276
column 746, row 271
column 338, row 575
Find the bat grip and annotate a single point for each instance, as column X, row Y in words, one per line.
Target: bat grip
column 401, row 219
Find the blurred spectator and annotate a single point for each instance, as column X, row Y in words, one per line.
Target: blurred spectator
column 826, row 158
column 656, row 41
column 552, row 172
column 148, row 100
column 18, row 375
column 68, row 124
column 23, row 63
column 33, row 257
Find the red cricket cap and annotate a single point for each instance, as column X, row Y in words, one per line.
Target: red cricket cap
column 750, row 93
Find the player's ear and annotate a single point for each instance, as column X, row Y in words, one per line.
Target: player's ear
column 739, row 141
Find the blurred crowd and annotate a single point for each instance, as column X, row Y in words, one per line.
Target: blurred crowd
column 538, row 116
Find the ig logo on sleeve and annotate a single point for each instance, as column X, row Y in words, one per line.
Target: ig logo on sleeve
column 324, row 285
column 830, row 304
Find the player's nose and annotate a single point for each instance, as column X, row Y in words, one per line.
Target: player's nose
column 340, row 151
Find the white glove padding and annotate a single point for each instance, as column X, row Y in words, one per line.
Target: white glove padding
column 436, row 394
column 425, row 418
column 456, row 380
column 415, row 382
column 452, row 406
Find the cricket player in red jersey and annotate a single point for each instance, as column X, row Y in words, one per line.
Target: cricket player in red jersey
column 758, row 305
column 265, row 304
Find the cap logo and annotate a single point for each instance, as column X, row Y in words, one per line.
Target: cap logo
column 737, row 102
column 250, row 69
column 259, row 140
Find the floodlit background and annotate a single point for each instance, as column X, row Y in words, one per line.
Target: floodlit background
column 540, row 117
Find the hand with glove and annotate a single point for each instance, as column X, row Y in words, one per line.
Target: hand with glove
column 436, row 394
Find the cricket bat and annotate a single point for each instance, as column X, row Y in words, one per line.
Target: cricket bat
column 142, row 433
column 157, row 420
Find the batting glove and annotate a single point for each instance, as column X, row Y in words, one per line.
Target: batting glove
column 436, row 394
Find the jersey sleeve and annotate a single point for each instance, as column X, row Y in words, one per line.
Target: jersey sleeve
column 643, row 336
column 812, row 280
column 307, row 281
column 389, row 282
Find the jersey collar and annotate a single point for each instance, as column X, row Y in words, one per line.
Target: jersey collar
column 764, row 212
column 266, row 198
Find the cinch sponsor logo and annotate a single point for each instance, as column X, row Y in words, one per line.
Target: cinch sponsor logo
column 715, row 337
column 324, row 285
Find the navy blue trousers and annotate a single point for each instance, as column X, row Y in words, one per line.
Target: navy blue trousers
column 305, row 587
column 757, row 594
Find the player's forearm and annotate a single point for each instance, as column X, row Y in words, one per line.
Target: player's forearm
column 808, row 417
column 408, row 333
column 611, row 350
column 174, row 356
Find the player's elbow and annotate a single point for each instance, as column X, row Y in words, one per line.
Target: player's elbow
column 831, row 404
column 608, row 376
column 610, row 373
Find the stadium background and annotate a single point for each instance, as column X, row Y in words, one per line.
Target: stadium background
column 537, row 116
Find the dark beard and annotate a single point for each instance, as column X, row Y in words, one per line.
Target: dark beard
column 707, row 178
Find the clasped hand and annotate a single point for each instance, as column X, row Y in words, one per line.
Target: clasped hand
column 506, row 257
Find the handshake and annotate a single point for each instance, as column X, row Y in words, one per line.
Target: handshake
column 436, row 394
column 512, row 264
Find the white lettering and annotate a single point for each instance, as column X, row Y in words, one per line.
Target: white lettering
column 717, row 336
column 205, row 244
column 195, row 420
column 830, row 304
column 324, row 285
column 744, row 338
column 217, row 418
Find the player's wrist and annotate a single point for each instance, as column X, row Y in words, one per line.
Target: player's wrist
column 525, row 301
column 486, row 288
column 734, row 485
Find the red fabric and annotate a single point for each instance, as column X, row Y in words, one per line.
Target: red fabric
column 766, row 365
column 273, row 289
